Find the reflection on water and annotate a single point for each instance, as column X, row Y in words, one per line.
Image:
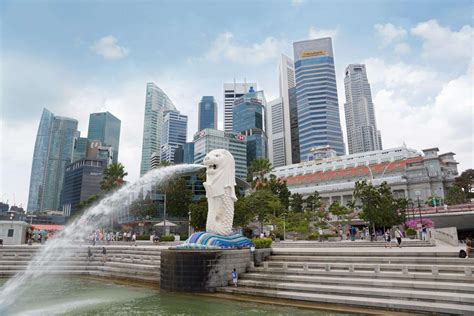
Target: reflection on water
column 83, row 296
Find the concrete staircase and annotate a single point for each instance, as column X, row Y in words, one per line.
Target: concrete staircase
column 123, row 262
column 396, row 279
column 349, row 244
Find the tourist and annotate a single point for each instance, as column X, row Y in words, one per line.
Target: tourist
column 104, row 254
column 89, row 253
column 424, row 232
column 399, row 235
column 469, row 247
column 134, row 239
column 388, row 239
column 235, row 277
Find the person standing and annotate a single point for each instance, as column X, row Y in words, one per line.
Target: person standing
column 399, row 235
column 104, row 255
column 134, row 238
column 235, row 277
column 388, row 239
column 89, row 254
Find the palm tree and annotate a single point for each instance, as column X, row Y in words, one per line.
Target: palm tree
column 113, row 177
column 258, row 168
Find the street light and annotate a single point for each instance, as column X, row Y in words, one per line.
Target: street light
column 418, row 193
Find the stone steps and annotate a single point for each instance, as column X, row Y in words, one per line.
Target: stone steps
column 347, row 244
column 369, row 292
column 448, row 277
column 374, row 260
column 396, row 252
column 404, row 268
column 381, row 303
column 457, row 287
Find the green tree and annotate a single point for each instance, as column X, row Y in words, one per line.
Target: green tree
column 313, row 202
column 143, row 208
column 263, row 205
column 178, row 197
column 113, row 177
column 342, row 212
column 378, row 204
column 465, row 182
column 279, row 187
column 455, row 196
column 199, row 214
column 296, row 202
column 84, row 205
column 258, row 169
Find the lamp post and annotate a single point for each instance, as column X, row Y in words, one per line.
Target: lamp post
column 420, row 225
column 189, row 223
column 164, row 214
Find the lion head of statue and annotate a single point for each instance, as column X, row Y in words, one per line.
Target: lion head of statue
column 220, row 169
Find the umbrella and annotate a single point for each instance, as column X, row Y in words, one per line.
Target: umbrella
column 168, row 224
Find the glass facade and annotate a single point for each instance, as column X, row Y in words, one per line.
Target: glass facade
column 188, row 155
column 209, row 139
column 316, row 96
column 207, row 113
column 156, row 103
column 173, row 134
column 53, row 150
column 248, row 120
column 80, row 148
column 106, row 128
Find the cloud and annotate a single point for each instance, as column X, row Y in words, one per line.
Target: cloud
column 108, row 48
column 402, row 49
column 319, row 33
column 441, row 43
column 389, row 32
column 226, row 47
column 297, row 3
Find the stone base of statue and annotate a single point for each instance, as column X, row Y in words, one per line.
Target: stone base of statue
column 203, row 240
column 201, row 270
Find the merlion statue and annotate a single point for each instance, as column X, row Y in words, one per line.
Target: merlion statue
column 220, row 191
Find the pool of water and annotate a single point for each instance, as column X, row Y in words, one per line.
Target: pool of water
column 84, row 296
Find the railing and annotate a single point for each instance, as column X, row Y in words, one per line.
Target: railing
column 441, row 209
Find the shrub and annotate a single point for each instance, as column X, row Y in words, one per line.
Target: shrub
column 143, row 237
column 167, row 238
column 183, row 236
column 410, row 232
column 262, row 242
column 313, row 236
column 247, row 232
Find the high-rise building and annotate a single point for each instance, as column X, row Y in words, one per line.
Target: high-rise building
column 208, row 139
column 362, row 133
column 156, row 103
column 316, row 96
column 81, row 181
column 105, row 128
column 207, row 113
column 276, row 133
column 295, row 136
column 249, row 120
column 53, row 150
column 173, row 134
column 80, row 147
column 233, row 91
column 188, row 153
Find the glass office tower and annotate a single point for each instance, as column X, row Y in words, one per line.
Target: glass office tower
column 207, row 113
column 173, row 134
column 106, row 128
column 53, row 150
column 316, row 96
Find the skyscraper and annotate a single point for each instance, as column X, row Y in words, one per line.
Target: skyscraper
column 279, row 117
column 156, row 103
column 53, row 150
column 173, row 134
column 248, row 120
column 233, row 91
column 207, row 113
column 106, row 128
column 209, row 139
column 362, row 133
column 316, row 96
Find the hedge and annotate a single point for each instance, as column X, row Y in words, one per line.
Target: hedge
column 262, row 242
column 410, row 232
column 143, row 237
column 167, row 238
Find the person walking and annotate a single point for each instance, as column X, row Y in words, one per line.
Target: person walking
column 235, row 277
column 104, row 255
column 399, row 235
column 134, row 238
column 388, row 239
column 89, row 253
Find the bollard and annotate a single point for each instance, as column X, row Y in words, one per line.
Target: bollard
column 377, row 269
column 468, row 271
column 434, row 270
column 405, row 270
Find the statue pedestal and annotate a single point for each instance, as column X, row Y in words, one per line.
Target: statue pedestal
column 201, row 270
